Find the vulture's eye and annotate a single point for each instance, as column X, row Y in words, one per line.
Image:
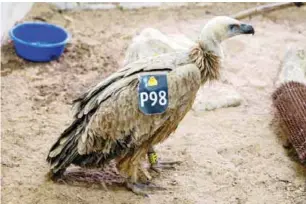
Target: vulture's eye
column 233, row 26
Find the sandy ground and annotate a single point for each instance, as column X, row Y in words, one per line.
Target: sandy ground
column 230, row 155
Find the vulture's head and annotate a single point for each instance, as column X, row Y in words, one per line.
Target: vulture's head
column 222, row 27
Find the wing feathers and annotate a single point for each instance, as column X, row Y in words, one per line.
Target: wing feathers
column 113, row 105
column 110, row 122
column 165, row 62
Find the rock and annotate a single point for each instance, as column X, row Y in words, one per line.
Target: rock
column 217, row 95
column 258, row 83
column 293, row 67
column 151, row 42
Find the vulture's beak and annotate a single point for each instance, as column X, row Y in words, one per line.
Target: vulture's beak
column 247, row 29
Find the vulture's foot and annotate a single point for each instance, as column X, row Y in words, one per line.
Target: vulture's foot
column 157, row 165
column 140, row 188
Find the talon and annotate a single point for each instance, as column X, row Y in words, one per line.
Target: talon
column 153, row 186
column 171, row 163
column 135, row 189
column 164, row 165
column 154, row 168
column 139, row 188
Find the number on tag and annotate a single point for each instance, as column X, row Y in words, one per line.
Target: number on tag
column 154, row 97
column 153, row 94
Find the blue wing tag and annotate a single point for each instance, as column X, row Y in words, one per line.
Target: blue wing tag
column 153, row 94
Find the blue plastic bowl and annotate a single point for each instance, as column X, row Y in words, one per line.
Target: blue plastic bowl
column 39, row 42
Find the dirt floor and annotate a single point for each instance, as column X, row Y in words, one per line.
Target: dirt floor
column 230, row 155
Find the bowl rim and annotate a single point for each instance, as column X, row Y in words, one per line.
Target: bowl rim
column 14, row 38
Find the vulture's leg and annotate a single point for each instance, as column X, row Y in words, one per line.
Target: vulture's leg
column 146, row 173
column 157, row 165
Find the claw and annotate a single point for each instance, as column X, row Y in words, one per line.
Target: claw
column 139, row 188
column 135, row 189
column 170, row 163
column 157, row 167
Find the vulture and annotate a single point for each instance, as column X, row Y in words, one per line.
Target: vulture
column 139, row 106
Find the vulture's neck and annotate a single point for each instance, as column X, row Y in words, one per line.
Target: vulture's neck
column 207, row 61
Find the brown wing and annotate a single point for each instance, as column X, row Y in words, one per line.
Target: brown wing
column 118, row 116
column 92, row 98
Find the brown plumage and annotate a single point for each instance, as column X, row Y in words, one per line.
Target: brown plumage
column 207, row 61
column 108, row 123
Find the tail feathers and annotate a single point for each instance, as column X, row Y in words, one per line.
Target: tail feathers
column 64, row 151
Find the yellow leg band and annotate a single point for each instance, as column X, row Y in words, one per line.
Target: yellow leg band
column 152, row 158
